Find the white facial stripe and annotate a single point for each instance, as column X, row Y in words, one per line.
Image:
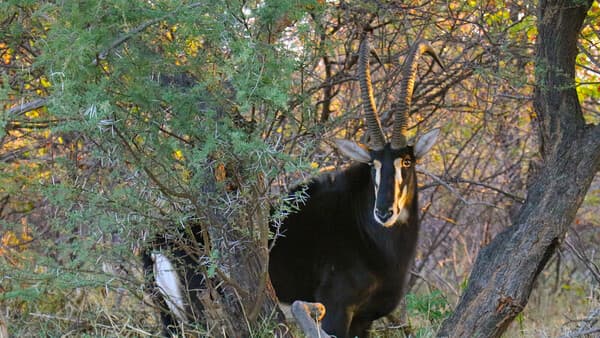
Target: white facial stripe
column 377, row 166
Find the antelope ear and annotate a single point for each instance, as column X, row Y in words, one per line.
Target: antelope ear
column 425, row 142
column 353, row 150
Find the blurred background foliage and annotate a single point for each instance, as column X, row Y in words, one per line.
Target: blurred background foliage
column 126, row 119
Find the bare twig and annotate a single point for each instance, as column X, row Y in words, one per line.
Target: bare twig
column 575, row 248
column 584, row 332
column 491, row 187
column 586, row 326
column 452, row 190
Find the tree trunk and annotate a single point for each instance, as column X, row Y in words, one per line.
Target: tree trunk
column 247, row 299
column 504, row 272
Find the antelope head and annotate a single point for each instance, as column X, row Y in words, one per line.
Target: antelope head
column 392, row 163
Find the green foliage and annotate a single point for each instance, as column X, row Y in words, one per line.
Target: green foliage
column 432, row 306
column 163, row 108
column 520, row 319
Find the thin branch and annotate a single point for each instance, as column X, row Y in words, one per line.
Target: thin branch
column 123, row 38
column 586, row 326
column 491, row 187
column 452, row 190
column 166, row 190
column 575, row 247
column 584, row 332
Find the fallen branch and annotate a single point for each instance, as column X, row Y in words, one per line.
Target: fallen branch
column 25, row 107
column 304, row 313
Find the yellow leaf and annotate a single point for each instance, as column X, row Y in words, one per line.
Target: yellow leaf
column 44, row 82
column 9, row 239
column 7, row 57
column 138, row 139
column 33, row 114
column 178, row 154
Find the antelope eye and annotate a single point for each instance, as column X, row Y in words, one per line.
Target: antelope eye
column 406, row 162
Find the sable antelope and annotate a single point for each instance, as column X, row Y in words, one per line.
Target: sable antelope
column 352, row 242
column 175, row 280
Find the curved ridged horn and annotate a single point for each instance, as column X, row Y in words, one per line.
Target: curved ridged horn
column 407, row 85
column 366, row 89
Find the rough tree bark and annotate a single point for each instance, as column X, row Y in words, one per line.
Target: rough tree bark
column 504, row 272
column 245, row 299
